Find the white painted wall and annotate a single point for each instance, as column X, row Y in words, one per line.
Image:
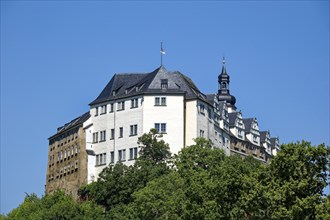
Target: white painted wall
column 89, row 146
column 202, row 120
column 172, row 114
column 191, row 122
column 115, row 120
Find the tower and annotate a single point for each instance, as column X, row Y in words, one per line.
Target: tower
column 223, row 88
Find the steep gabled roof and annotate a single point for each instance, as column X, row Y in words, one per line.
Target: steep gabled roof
column 263, row 135
column 129, row 84
column 232, row 118
column 273, row 141
column 248, row 124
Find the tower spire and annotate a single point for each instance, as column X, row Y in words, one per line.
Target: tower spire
column 223, row 71
column 223, row 87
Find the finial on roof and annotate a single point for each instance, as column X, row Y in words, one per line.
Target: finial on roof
column 223, row 71
column 162, row 52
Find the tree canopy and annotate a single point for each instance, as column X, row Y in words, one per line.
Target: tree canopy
column 201, row 182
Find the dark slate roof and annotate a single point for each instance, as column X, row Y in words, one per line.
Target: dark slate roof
column 73, row 123
column 263, row 136
column 273, row 141
column 210, row 98
column 129, row 84
column 232, row 118
column 248, row 124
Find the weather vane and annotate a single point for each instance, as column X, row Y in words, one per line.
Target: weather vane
column 162, row 52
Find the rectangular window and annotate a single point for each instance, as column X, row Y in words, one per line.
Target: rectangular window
column 96, row 111
column 121, row 106
column 240, row 134
column 122, row 155
column 102, row 136
column 112, row 157
column 101, row 159
column 201, row 133
column 209, row 113
column 163, row 127
column 95, row 137
column 133, row 130
column 103, row 109
column 255, row 139
column 111, row 107
column 160, row 127
column 112, row 135
column 163, row 101
column 160, row 101
column 121, row 132
column 202, row 109
column 134, row 103
column 133, row 153
column 157, row 127
column 164, row 83
column 157, row 101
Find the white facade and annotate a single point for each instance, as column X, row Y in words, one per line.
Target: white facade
column 123, row 126
column 171, row 115
column 183, row 121
column 131, row 104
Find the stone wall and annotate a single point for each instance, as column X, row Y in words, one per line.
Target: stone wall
column 67, row 172
column 246, row 148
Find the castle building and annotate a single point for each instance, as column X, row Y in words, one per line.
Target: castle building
column 133, row 103
column 67, row 157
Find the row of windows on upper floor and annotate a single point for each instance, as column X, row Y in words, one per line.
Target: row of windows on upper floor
column 215, row 116
column 65, row 137
column 163, row 86
column 64, row 155
column 63, row 143
column 68, row 169
column 101, row 159
column 255, row 137
column 251, row 149
column 217, row 135
column 101, row 136
column 100, row 110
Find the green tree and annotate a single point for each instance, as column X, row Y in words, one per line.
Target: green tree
column 290, row 187
column 204, row 184
column 152, row 148
column 162, row 198
column 56, row 206
column 116, row 184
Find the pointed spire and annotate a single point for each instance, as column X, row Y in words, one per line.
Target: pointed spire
column 223, row 71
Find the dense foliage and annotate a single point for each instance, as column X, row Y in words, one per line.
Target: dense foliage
column 56, row 206
column 198, row 183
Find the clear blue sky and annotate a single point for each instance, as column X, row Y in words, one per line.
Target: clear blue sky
column 57, row 56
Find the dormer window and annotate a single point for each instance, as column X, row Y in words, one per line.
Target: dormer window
column 255, row 139
column 164, row 84
column 113, row 93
